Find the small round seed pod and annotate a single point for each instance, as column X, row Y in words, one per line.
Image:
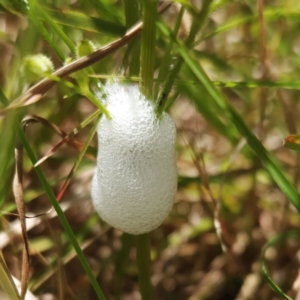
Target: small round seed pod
column 35, row 67
column 135, row 181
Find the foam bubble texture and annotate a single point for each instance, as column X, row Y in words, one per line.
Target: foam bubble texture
column 135, row 181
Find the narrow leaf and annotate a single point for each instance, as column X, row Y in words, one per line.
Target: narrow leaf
column 274, row 169
column 61, row 216
column 6, row 282
column 271, row 243
column 78, row 20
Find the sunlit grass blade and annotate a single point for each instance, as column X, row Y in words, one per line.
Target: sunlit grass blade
column 81, row 21
column 6, row 281
column 6, row 153
column 274, row 169
column 43, row 31
column 61, row 216
column 293, row 234
column 251, row 84
column 42, row 13
column 3, row 98
column 166, row 65
column 199, row 20
column 269, row 15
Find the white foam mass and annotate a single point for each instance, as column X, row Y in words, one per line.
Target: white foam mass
column 135, row 181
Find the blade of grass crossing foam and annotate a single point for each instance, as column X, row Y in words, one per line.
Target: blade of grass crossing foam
column 275, row 171
column 61, row 216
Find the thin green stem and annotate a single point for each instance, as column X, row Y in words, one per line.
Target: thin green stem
column 147, row 70
column 148, row 46
column 32, row 14
column 164, row 68
column 144, row 266
column 56, row 28
column 61, row 216
column 198, row 21
column 132, row 17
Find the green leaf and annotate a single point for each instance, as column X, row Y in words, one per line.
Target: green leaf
column 61, row 215
column 81, row 21
column 271, row 243
column 272, row 166
column 6, row 282
column 18, row 7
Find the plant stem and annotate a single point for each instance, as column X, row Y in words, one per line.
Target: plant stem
column 198, row 22
column 132, row 17
column 148, row 46
column 144, row 266
column 147, row 70
column 61, row 216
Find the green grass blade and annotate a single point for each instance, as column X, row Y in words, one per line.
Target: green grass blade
column 198, row 21
column 3, row 98
column 274, row 169
column 49, row 19
column 208, row 113
column 148, row 47
column 165, row 66
column 81, row 21
column 43, row 31
column 61, row 216
column 251, row 84
column 6, row 281
column 132, row 14
column 295, row 234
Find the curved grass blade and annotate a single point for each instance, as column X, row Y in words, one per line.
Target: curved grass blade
column 49, row 19
column 43, row 31
column 208, row 111
column 271, row 243
column 61, row 216
column 81, row 21
column 6, row 282
column 272, row 166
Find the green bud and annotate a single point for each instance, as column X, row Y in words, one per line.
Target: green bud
column 36, row 67
column 85, row 47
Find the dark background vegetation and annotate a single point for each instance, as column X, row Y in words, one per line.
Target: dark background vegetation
column 229, row 204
